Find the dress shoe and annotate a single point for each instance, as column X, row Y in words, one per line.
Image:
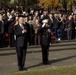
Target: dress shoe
column 20, row 69
column 46, row 63
column 24, row 68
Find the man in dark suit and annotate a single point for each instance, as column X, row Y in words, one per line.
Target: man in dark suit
column 21, row 43
column 45, row 39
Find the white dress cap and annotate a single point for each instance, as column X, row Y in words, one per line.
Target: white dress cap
column 45, row 21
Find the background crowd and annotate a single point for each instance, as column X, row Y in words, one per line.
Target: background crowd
column 62, row 25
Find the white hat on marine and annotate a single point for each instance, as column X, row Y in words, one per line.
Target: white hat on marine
column 45, row 21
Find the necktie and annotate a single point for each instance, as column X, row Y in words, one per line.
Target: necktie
column 22, row 26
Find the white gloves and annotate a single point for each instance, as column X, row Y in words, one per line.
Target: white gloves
column 43, row 25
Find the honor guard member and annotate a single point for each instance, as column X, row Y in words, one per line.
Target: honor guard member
column 45, row 39
column 21, row 43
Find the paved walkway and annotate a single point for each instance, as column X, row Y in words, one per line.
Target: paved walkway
column 8, row 63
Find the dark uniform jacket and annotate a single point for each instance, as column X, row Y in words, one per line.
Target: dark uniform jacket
column 21, row 38
column 45, row 36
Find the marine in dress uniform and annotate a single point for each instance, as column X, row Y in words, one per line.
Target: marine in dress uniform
column 45, row 38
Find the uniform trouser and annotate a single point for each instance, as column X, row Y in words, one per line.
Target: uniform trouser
column 21, row 56
column 45, row 50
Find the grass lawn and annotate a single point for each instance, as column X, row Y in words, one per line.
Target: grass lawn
column 69, row 70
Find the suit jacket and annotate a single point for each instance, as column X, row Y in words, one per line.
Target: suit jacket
column 45, row 36
column 21, row 38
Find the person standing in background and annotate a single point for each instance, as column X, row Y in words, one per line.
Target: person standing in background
column 28, row 27
column 11, row 32
column 1, row 32
column 32, row 31
column 70, row 24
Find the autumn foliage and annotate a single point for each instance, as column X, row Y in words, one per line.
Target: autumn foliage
column 48, row 3
column 54, row 3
